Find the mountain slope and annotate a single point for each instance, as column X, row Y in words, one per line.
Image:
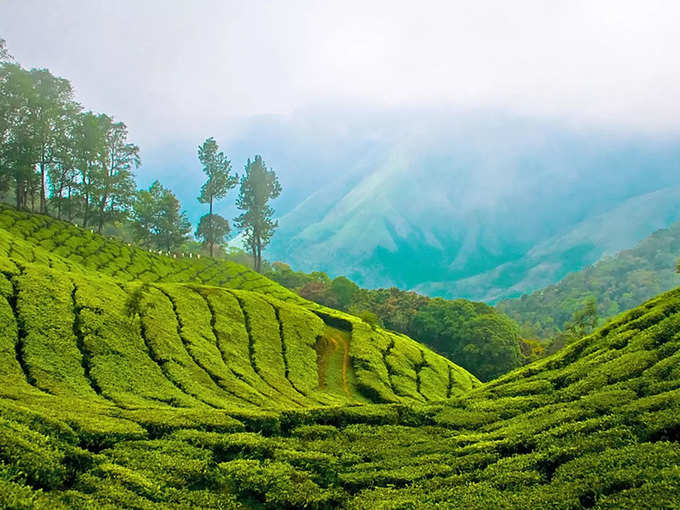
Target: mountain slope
column 585, row 243
column 618, row 282
column 475, row 205
column 596, row 425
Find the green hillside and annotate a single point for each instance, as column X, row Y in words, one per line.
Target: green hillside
column 234, row 339
column 618, row 283
column 135, row 380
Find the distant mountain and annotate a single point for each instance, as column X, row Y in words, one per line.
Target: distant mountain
column 478, row 206
column 587, row 242
column 617, row 282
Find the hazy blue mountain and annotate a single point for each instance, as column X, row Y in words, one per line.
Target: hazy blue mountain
column 476, row 205
column 587, row 242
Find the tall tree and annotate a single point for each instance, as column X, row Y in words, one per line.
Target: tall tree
column 220, row 180
column 116, row 182
column 258, row 186
column 89, row 140
column 158, row 221
column 16, row 133
column 63, row 175
column 213, row 230
column 50, row 105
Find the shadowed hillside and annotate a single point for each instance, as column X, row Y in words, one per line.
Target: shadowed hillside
column 171, row 393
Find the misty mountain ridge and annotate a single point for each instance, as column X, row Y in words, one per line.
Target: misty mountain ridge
column 478, row 206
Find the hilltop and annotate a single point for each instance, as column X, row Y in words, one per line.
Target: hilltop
column 150, row 386
column 617, row 282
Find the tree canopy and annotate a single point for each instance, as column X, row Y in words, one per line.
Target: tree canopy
column 258, row 186
column 158, row 221
column 220, row 180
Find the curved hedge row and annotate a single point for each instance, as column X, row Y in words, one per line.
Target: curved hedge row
column 121, row 393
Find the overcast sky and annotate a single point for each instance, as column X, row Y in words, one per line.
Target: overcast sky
column 170, row 68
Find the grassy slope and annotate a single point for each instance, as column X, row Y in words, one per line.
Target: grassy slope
column 218, row 332
column 100, row 410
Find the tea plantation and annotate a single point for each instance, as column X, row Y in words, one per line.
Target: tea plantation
column 131, row 379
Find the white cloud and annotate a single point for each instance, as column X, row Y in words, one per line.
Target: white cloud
column 177, row 68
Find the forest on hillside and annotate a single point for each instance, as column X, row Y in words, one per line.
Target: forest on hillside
column 616, row 283
column 480, row 339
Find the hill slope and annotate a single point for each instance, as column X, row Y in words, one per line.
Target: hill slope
column 195, row 345
column 618, row 283
column 596, row 425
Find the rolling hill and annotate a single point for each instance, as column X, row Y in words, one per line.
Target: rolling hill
column 133, row 380
column 204, row 332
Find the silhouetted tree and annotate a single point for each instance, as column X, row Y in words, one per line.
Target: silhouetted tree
column 258, row 187
column 218, row 169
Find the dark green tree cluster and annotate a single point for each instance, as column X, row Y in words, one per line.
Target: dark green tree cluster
column 617, row 283
column 157, row 219
column 57, row 158
column 54, row 155
column 480, row 339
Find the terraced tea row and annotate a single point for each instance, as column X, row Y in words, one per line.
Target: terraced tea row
column 66, row 245
column 140, row 345
column 594, row 426
column 409, row 372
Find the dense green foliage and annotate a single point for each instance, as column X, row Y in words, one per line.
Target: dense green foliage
column 182, row 395
column 157, row 220
column 617, row 283
column 474, row 335
column 280, row 335
column 78, row 163
column 480, row 339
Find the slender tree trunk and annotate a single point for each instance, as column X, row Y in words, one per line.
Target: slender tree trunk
column 254, row 250
column 19, row 192
column 70, row 206
column 210, row 228
column 43, row 201
column 258, row 258
column 102, row 208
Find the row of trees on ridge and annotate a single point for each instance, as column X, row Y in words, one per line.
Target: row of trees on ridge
column 58, row 158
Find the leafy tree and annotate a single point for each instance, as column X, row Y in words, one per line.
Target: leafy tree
column 344, row 291
column 213, row 230
column 50, row 104
column 115, row 177
column 89, row 145
column 473, row 335
column 218, row 169
column 158, row 221
column 584, row 320
column 258, row 187
column 17, row 154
